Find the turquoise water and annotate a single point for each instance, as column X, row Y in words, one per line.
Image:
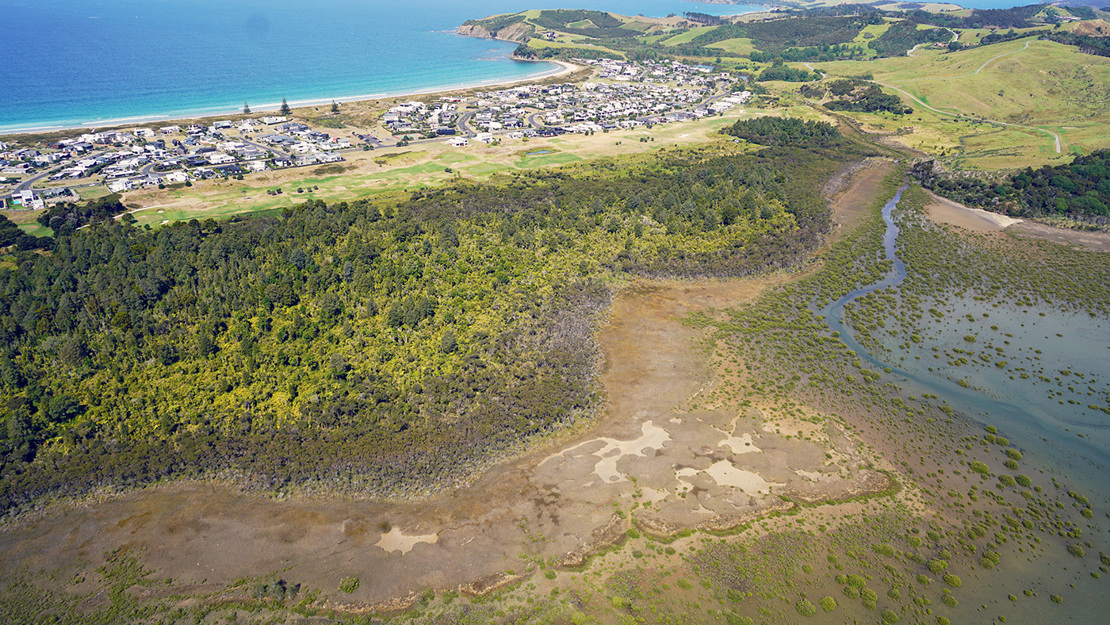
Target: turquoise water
column 73, row 62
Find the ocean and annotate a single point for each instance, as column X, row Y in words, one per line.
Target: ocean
column 99, row 62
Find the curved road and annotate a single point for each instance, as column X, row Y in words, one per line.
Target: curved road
column 1055, row 136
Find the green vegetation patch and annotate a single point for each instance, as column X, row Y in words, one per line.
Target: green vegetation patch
column 337, row 334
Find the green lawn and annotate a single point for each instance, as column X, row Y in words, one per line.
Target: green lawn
column 739, row 46
column 542, row 160
column 687, row 36
column 36, row 229
column 875, row 30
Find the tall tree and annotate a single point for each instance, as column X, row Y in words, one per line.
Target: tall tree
column 246, row 109
column 285, row 110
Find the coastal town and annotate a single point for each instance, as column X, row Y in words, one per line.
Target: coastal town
column 618, row 95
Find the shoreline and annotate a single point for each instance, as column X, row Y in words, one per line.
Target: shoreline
column 562, row 68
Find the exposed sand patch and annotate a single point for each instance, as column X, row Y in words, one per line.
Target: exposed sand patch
column 725, row 474
column 943, row 210
column 396, row 540
column 740, row 444
column 653, row 438
column 853, row 191
column 946, row 211
column 1093, row 241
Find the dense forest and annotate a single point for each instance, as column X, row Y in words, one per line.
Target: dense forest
column 904, row 35
column 1016, row 17
column 787, row 131
column 776, row 36
column 865, row 98
column 778, row 71
column 838, row 52
column 1080, row 189
column 66, row 217
column 384, row 345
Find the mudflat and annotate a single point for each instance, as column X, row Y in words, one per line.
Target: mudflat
column 682, row 468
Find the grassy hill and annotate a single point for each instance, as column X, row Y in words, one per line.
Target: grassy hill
column 1027, row 82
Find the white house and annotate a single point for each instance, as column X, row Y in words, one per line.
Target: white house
column 458, row 142
column 119, row 186
column 28, row 199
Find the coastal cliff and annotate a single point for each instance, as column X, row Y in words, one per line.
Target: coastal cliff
column 517, row 32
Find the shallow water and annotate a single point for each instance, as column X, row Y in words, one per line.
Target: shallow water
column 1053, row 415
column 1069, row 349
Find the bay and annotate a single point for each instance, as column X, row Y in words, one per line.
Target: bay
column 94, row 62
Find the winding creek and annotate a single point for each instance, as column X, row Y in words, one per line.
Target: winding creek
column 1078, row 445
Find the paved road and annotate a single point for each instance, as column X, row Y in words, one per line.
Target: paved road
column 32, row 180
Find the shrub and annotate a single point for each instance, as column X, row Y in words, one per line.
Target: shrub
column 1014, row 454
column 953, row 580
column 348, row 584
column 1076, row 550
column 805, row 607
column 889, row 616
column 857, row 581
column 1024, row 480
column 937, row 565
column 1057, row 599
column 979, row 467
column 1007, row 480
column 950, row 601
column 828, row 604
column 884, row 549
